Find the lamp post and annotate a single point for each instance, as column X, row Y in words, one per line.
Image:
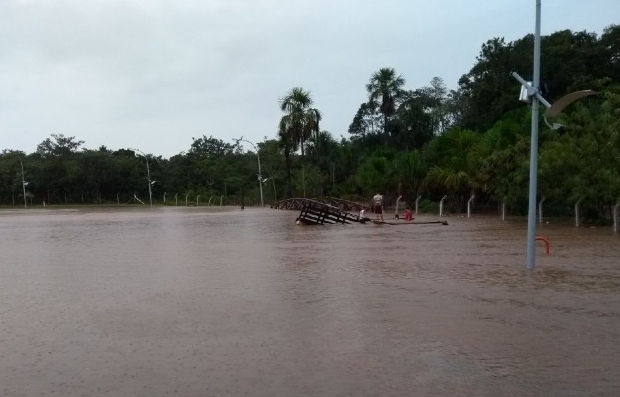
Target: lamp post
column 148, row 175
column 531, row 215
column 24, row 183
column 260, row 178
column 532, row 93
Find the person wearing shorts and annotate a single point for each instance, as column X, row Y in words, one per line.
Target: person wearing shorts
column 378, row 206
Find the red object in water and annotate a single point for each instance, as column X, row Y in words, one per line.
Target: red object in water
column 544, row 240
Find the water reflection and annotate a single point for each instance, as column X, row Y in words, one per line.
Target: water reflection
column 193, row 301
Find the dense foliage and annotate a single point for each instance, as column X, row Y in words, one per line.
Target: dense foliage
column 426, row 142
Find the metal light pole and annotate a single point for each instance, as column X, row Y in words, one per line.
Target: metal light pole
column 531, row 215
column 534, row 96
column 532, row 93
column 148, row 175
column 24, row 183
column 260, row 177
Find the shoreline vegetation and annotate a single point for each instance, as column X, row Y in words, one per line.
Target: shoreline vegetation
column 426, row 142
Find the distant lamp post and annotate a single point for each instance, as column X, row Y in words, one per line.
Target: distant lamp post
column 148, row 175
column 260, row 178
column 24, row 183
column 530, row 93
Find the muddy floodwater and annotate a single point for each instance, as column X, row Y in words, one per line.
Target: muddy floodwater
column 203, row 302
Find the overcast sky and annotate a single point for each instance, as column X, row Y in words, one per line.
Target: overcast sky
column 152, row 74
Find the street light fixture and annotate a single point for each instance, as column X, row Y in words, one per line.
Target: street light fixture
column 148, row 175
column 532, row 93
column 260, row 178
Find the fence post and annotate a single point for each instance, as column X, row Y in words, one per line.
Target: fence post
column 577, row 212
column 469, row 205
column 396, row 206
column 417, row 201
column 441, row 205
column 615, row 215
column 540, row 214
column 503, row 210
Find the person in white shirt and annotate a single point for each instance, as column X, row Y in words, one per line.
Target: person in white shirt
column 378, row 206
column 362, row 216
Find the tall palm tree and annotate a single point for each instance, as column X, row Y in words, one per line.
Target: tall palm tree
column 289, row 144
column 300, row 122
column 385, row 84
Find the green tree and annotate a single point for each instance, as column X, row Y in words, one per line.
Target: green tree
column 502, row 155
column 301, row 120
column 299, row 123
column 584, row 161
column 373, row 175
column 454, row 165
column 570, row 61
column 367, row 122
column 410, row 171
column 413, row 125
column 387, row 85
column 58, row 146
column 610, row 47
column 211, row 147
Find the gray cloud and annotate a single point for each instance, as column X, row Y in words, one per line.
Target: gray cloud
column 152, row 74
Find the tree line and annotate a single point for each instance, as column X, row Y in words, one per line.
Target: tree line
column 429, row 141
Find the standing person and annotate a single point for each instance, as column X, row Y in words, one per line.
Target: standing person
column 378, row 206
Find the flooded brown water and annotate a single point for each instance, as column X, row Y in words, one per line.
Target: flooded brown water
column 192, row 302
